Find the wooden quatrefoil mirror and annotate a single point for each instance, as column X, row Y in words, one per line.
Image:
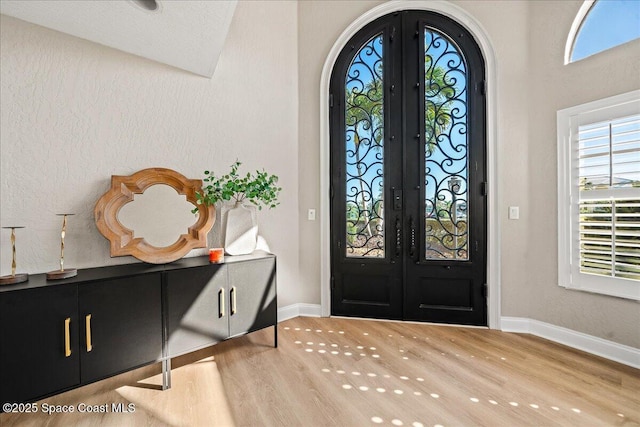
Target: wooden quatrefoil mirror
column 124, row 241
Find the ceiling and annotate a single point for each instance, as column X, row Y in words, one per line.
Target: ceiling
column 185, row 34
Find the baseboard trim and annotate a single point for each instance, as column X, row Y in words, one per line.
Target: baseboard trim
column 299, row 310
column 600, row 347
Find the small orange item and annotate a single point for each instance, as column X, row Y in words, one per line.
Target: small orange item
column 216, row 255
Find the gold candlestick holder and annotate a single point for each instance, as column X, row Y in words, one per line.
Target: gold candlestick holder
column 63, row 273
column 13, row 277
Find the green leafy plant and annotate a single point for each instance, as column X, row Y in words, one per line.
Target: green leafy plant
column 260, row 188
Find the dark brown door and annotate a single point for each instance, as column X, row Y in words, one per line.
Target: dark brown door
column 408, row 209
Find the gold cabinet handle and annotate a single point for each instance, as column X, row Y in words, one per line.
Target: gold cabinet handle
column 233, row 300
column 87, row 321
column 221, row 302
column 67, row 337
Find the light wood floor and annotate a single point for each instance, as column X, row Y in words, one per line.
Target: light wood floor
column 346, row 372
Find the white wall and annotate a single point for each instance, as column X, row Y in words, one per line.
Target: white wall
column 554, row 86
column 532, row 84
column 73, row 113
column 322, row 22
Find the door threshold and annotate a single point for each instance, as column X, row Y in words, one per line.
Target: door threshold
column 413, row 322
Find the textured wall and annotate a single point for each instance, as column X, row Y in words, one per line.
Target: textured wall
column 320, row 24
column 508, row 31
column 554, row 86
column 73, row 113
column 532, row 84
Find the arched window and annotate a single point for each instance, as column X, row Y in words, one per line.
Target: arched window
column 601, row 25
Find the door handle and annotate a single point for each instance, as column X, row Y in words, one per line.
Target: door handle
column 67, row 337
column 87, row 322
column 221, row 302
column 398, row 238
column 232, row 292
column 412, row 227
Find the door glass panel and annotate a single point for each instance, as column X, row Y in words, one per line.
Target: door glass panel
column 446, row 165
column 364, row 165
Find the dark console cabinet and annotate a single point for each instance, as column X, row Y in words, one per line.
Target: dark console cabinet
column 252, row 295
column 206, row 305
column 55, row 336
column 120, row 325
column 196, row 315
column 38, row 342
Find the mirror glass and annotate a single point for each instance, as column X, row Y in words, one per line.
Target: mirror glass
column 159, row 215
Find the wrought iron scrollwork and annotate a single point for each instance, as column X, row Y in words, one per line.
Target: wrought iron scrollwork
column 364, row 129
column 446, row 161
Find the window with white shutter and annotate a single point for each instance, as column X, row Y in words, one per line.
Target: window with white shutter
column 599, row 196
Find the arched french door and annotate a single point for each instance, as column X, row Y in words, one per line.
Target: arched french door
column 408, row 172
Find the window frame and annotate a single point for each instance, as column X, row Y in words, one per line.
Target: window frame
column 568, row 121
column 574, row 32
column 576, row 25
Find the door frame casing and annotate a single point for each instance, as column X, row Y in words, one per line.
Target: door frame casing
column 493, row 217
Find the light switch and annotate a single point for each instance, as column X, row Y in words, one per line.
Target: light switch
column 514, row 212
column 311, row 214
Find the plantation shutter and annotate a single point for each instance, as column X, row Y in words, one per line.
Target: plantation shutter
column 608, row 229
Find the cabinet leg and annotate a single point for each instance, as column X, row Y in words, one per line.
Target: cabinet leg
column 275, row 336
column 166, row 374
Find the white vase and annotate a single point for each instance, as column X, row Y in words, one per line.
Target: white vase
column 241, row 230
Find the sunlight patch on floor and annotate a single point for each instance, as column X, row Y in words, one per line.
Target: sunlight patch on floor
column 349, row 346
column 196, row 396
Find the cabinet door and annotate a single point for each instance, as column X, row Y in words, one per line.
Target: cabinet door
column 252, row 295
column 124, row 329
column 39, row 339
column 197, row 308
